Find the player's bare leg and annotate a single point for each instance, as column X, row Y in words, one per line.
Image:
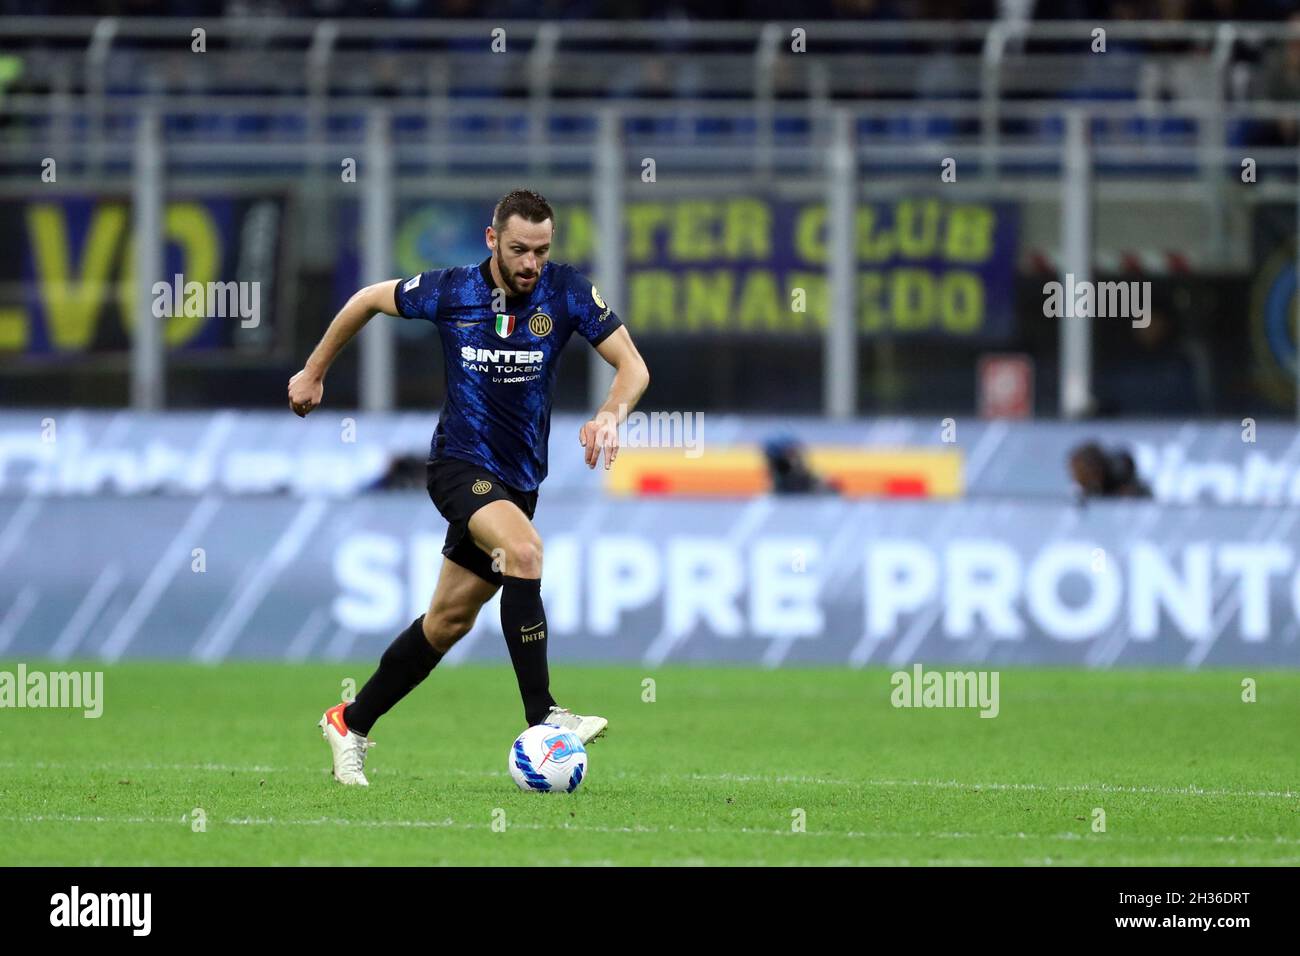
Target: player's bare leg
column 409, row 660
column 504, row 531
column 455, row 604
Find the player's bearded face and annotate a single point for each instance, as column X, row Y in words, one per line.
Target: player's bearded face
column 521, row 251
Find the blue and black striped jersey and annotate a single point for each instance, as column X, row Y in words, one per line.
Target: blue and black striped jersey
column 501, row 364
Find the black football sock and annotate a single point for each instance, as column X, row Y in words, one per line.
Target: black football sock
column 408, row 660
column 524, row 623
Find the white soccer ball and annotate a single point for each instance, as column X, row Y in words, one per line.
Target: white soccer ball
column 548, row 759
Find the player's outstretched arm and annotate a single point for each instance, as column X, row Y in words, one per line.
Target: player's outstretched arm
column 307, row 388
column 630, row 380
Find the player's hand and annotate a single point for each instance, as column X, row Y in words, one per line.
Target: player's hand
column 306, row 389
column 600, row 434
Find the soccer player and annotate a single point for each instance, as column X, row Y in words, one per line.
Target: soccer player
column 503, row 324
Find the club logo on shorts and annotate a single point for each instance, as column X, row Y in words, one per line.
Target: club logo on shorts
column 481, row 487
column 505, row 325
column 540, row 325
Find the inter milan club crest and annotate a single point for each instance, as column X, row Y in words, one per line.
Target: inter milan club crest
column 505, row 325
column 540, row 325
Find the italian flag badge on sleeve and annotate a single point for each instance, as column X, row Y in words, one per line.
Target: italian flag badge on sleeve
column 505, row 325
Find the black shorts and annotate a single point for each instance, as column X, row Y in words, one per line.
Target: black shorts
column 458, row 489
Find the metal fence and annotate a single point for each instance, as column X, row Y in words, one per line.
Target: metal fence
column 1026, row 111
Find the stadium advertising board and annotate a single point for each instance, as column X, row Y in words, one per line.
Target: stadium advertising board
column 771, row 580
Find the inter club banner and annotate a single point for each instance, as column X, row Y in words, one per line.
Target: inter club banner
column 68, row 288
column 754, row 266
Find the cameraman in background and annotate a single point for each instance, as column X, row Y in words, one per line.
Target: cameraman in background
column 1098, row 473
column 788, row 469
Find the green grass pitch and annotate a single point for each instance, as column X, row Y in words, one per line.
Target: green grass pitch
column 714, row 771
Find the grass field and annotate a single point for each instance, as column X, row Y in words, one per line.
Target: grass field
column 711, row 772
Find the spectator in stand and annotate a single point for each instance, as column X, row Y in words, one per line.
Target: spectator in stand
column 1279, row 79
column 1153, row 371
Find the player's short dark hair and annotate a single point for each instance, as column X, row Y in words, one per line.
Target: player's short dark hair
column 530, row 205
